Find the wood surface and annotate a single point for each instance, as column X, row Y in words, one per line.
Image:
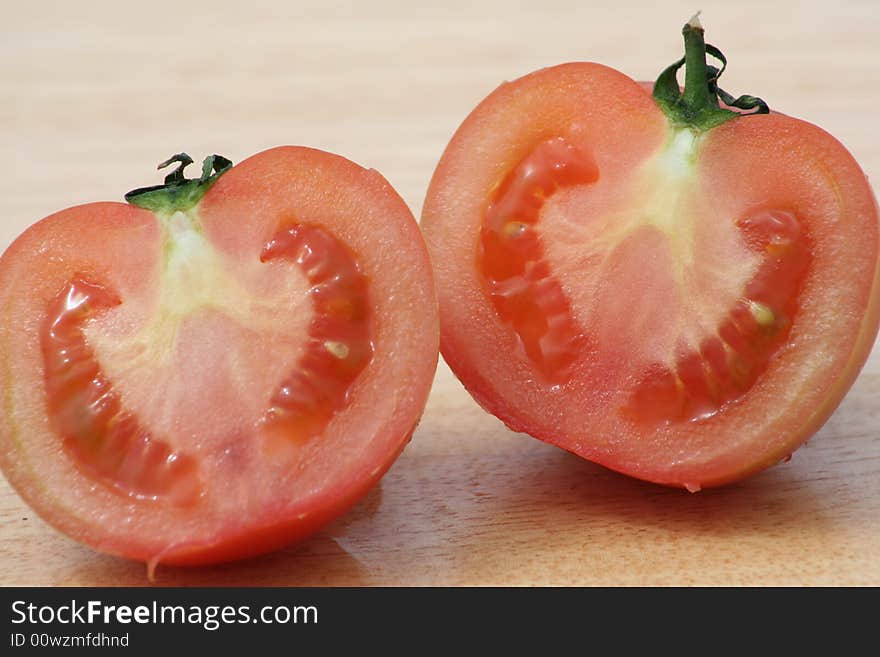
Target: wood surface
column 94, row 94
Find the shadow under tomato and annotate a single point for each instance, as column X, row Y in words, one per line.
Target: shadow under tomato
column 316, row 561
column 544, row 516
column 569, row 489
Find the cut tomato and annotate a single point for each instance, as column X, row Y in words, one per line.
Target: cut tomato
column 221, row 366
column 681, row 285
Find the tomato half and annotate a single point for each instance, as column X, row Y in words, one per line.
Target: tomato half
column 681, row 287
column 223, row 365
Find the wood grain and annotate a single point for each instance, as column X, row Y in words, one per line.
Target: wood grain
column 95, row 93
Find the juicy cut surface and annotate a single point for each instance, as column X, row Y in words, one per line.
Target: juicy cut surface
column 143, row 391
column 682, row 306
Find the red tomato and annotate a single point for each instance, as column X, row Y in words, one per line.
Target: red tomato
column 666, row 285
column 221, row 370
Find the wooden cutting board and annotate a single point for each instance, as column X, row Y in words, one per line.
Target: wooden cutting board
column 95, row 94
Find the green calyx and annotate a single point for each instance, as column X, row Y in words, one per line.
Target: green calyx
column 697, row 106
column 179, row 194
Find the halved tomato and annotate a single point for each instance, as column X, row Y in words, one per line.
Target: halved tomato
column 681, row 287
column 221, row 366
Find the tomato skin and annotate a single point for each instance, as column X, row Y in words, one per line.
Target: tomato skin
column 769, row 158
column 239, row 215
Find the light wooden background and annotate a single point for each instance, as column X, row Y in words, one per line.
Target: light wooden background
column 94, row 94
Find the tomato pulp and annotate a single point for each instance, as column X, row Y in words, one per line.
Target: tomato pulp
column 681, row 285
column 221, row 366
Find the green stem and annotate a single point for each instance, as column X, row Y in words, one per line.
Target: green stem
column 697, row 106
column 696, row 87
column 179, row 193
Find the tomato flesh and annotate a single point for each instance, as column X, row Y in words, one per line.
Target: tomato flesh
column 339, row 345
column 728, row 363
column 523, row 290
column 111, row 443
column 688, row 308
column 108, row 442
column 213, row 382
column 527, row 295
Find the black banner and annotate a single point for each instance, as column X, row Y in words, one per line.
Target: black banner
column 262, row 619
